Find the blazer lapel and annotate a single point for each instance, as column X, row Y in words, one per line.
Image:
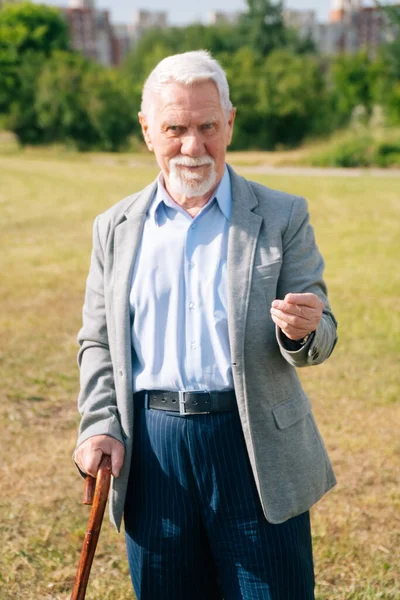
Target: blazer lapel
column 243, row 235
column 127, row 240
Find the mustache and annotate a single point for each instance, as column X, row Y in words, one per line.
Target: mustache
column 188, row 161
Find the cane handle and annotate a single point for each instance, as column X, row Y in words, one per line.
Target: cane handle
column 100, row 486
column 88, row 492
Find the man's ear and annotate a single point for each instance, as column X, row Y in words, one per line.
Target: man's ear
column 231, row 122
column 145, row 130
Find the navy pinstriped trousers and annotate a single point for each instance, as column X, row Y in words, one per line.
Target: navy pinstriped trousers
column 194, row 525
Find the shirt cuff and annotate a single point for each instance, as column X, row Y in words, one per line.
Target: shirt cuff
column 294, row 345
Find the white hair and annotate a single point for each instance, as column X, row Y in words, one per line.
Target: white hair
column 187, row 68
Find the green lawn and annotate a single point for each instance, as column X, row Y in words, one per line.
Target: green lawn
column 47, row 205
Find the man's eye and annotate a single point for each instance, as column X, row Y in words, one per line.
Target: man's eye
column 207, row 126
column 174, row 128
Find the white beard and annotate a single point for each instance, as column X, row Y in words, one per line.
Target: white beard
column 191, row 183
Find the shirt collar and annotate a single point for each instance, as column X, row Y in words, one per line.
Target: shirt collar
column 223, row 195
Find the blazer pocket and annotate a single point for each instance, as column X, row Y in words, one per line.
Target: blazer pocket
column 268, row 270
column 291, row 411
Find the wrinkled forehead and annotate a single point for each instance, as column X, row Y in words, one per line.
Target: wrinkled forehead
column 199, row 98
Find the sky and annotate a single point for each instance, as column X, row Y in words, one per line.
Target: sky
column 181, row 11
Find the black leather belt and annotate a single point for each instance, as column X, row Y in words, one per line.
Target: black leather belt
column 186, row 403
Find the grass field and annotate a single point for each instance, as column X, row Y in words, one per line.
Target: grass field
column 47, row 204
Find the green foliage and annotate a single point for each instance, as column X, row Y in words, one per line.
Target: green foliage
column 61, row 101
column 387, row 154
column 51, row 94
column 26, row 28
column 243, row 71
column 111, row 108
column 23, row 118
column 280, row 98
column 354, row 153
column 392, row 104
column 360, row 148
column 292, row 94
column 387, row 69
column 263, row 27
column 80, row 102
column 352, row 80
column 30, row 27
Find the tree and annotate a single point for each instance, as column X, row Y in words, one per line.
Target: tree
column 263, row 26
column 292, row 97
column 22, row 118
column 280, row 99
column 243, row 70
column 31, row 27
column 351, row 77
column 60, row 102
column 26, row 28
column 386, row 84
column 82, row 103
column 111, row 108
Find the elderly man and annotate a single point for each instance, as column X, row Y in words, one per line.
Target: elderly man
column 205, row 292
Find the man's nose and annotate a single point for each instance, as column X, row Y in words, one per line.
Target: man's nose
column 192, row 144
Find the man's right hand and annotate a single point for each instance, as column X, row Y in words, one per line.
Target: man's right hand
column 89, row 454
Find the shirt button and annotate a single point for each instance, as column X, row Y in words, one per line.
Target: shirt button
column 192, row 305
column 193, row 226
column 193, row 345
column 191, row 265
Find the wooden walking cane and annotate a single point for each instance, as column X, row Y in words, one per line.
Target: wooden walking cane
column 95, row 493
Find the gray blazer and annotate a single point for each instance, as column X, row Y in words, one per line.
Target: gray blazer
column 271, row 252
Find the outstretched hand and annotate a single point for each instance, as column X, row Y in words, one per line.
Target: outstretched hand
column 89, row 454
column 297, row 315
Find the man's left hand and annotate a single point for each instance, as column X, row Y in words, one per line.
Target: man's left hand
column 297, row 315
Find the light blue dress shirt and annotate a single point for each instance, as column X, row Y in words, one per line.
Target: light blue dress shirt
column 178, row 296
